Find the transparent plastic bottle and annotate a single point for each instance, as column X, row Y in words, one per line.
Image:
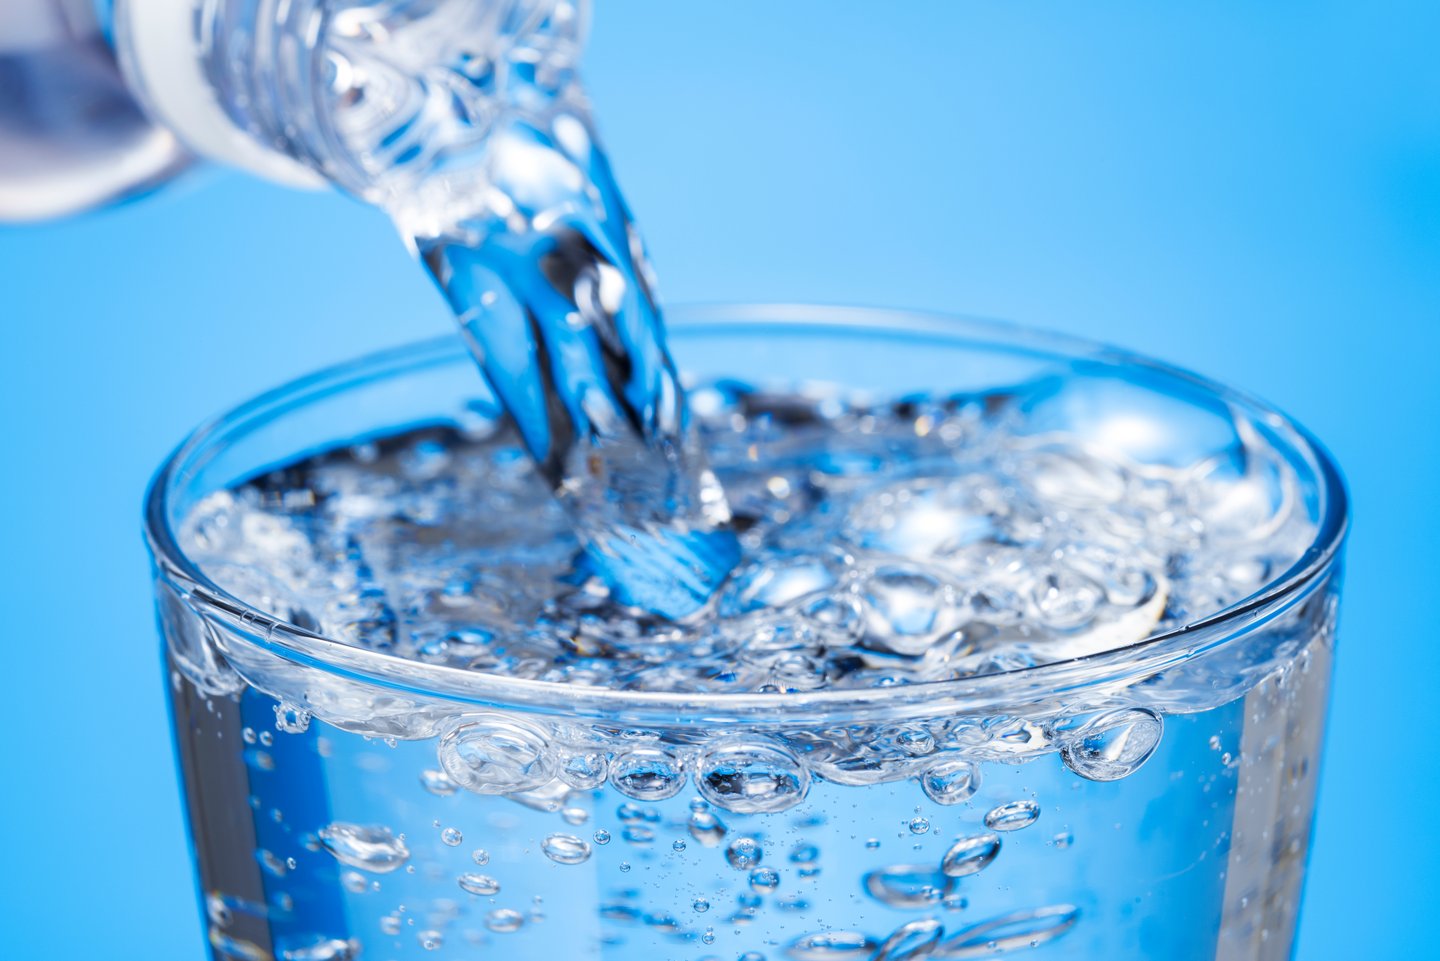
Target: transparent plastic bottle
column 102, row 101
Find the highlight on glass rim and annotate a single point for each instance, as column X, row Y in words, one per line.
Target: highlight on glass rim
column 596, row 628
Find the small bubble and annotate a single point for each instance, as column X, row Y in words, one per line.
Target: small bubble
column 950, row 781
column 908, row 886
column 677, row 846
column 804, row 854
column 602, row 837
column 638, row 834
column 708, row 936
column 751, row 777
column 647, row 774
column 574, row 815
column 390, row 924
column 504, row 920
column 743, row 853
column 452, row 837
column 584, row 770
column 354, row 882
column 248, row 736
column 1063, row 840
column 919, row 825
column 970, row 855
column 371, row 848
column 872, row 843
column 431, row 940
column 479, row 884
column 480, row 856
column 624, row 866
column 764, row 879
column 700, row 905
column 565, row 849
column 1113, row 745
column 1012, row 816
column 266, row 739
column 706, row 828
column 832, row 946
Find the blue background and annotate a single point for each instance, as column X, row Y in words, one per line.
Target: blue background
column 1251, row 190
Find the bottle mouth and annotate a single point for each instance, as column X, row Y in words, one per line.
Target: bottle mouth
column 246, row 631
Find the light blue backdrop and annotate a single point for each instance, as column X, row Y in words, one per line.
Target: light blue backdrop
column 1252, row 190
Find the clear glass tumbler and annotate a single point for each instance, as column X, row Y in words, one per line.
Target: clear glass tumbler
column 1150, row 800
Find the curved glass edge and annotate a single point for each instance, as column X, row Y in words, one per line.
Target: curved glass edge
column 998, row 692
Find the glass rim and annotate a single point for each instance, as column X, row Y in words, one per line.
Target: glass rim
column 311, row 650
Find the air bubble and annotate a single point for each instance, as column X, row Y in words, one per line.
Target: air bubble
column 743, row 853
column 832, row 946
column 601, row 837
column 706, row 828
column 804, row 854
column 1113, row 745
column 431, row 940
column 584, row 770
column 504, row 920
column 574, row 815
column 919, row 825
column 911, row 941
column 438, row 783
column 764, row 879
column 452, row 837
column 1012, row 816
column 321, row 948
column 751, row 777
column 700, row 905
column 492, row 754
column 647, row 774
column 678, row 847
column 971, row 855
column 365, row 847
column 951, row 781
column 565, row 849
column 908, row 886
column 480, row 884
column 1018, row 931
column 480, row 856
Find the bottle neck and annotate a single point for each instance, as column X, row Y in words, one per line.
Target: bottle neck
column 386, row 100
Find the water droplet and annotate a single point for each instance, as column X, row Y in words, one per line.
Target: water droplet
column 647, row 774
column 365, row 847
column 700, row 905
column 804, row 854
column 919, row 825
column 677, row 846
column 908, row 886
column 970, row 855
column 1023, row 929
column 452, row 837
column 438, row 783
column 1114, row 745
column 492, row 754
column 743, row 853
column 574, row 815
column 504, row 920
column 1012, row 816
column 751, row 777
column 565, row 849
column 480, row 856
column 602, row 836
column 431, row 940
column 482, row 884
column 951, row 781
column 832, row 946
column 584, row 770
column 911, row 941
column 706, row 828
